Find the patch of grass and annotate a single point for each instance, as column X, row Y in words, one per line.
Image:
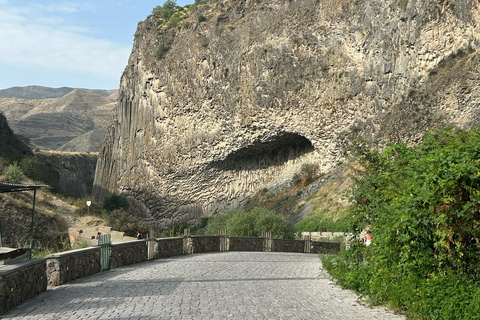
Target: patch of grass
column 325, row 220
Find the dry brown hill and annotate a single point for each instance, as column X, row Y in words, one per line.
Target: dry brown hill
column 54, row 123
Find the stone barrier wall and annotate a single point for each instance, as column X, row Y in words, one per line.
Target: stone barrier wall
column 288, row 245
column 126, row 253
column 201, row 244
column 245, row 244
column 168, row 247
column 66, row 266
column 21, row 282
column 324, row 247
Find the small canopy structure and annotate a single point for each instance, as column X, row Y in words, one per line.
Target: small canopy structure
column 8, row 187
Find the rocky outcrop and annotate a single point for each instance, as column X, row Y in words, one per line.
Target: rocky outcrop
column 11, row 147
column 76, row 171
column 241, row 100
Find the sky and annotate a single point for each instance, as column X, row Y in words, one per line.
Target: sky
column 68, row 43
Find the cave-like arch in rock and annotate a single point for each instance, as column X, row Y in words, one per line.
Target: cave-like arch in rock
column 263, row 154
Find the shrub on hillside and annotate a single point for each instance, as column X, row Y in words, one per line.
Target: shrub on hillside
column 13, row 173
column 115, row 201
column 165, row 11
column 325, row 220
column 251, row 223
column 421, row 205
column 38, row 170
column 307, row 174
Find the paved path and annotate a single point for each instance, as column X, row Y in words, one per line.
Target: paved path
column 230, row 285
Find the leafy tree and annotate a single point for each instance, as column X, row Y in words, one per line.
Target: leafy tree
column 165, row 11
column 219, row 222
column 268, row 220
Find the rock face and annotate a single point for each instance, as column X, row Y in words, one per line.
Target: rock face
column 76, row 171
column 241, row 100
column 11, row 147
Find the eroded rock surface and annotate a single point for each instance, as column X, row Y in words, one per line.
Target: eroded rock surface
column 241, row 100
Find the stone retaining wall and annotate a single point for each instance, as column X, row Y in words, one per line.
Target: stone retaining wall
column 126, row 253
column 324, row 247
column 169, row 247
column 66, row 266
column 245, row 244
column 21, row 282
column 201, row 244
column 288, row 245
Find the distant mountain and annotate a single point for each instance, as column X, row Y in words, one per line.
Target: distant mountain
column 75, row 121
column 39, row 92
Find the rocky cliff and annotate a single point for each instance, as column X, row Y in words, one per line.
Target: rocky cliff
column 75, row 171
column 11, row 147
column 241, row 93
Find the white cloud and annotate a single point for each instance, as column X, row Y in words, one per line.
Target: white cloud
column 40, row 35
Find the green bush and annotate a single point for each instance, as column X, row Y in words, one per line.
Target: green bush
column 325, row 220
column 422, row 205
column 251, row 224
column 174, row 20
column 219, row 222
column 161, row 50
column 13, row 173
column 307, row 174
column 165, row 11
column 37, row 169
column 115, row 201
column 201, row 18
column 4, row 163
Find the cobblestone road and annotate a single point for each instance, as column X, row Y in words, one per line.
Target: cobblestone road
column 230, row 285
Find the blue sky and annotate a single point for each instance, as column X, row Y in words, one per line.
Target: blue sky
column 56, row 43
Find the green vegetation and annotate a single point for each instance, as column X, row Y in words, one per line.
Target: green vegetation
column 38, row 170
column 115, row 211
column 161, row 50
column 251, row 224
column 115, row 201
column 325, row 220
column 422, row 206
column 165, row 11
column 309, row 172
column 13, row 173
column 201, row 18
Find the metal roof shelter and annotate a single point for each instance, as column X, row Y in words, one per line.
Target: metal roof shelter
column 8, row 187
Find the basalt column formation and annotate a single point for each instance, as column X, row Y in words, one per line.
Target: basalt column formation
column 239, row 94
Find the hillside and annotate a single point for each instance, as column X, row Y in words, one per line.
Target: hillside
column 40, row 92
column 228, row 98
column 52, row 123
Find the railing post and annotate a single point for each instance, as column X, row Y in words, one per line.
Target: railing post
column 104, row 241
column 267, row 241
column 223, row 240
column 187, row 242
column 308, row 243
column 151, row 243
